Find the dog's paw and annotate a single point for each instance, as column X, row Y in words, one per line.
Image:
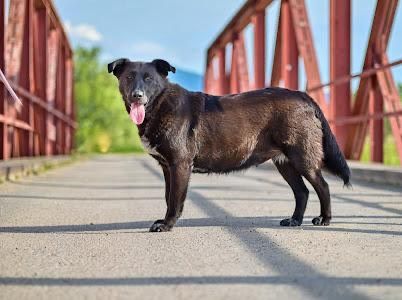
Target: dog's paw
column 321, row 221
column 290, row 222
column 159, row 226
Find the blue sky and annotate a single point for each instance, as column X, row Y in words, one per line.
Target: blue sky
column 180, row 31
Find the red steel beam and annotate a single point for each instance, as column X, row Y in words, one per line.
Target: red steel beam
column 294, row 37
column 366, row 117
column 259, row 49
column 242, row 66
column 4, row 145
column 222, row 79
column 305, row 46
column 53, row 50
column 277, row 63
column 207, row 75
column 366, row 73
column 34, row 65
column 40, row 58
column 289, row 52
column 242, row 18
column 234, row 78
column 376, row 125
column 15, row 123
column 25, row 80
column 61, row 101
column 51, row 110
column 69, row 106
column 391, row 98
column 13, row 56
column 306, row 49
column 379, row 37
column 340, row 96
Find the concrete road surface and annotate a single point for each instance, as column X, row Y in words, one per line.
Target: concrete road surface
column 81, row 232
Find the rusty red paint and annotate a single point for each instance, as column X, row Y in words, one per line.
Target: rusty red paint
column 376, row 131
column 294, row 38
column 289, row 51
column 340, row 95
column 305, row 46
column 222, row 83
column 36, row 70
column 259, row 49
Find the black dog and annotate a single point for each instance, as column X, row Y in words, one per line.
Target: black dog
column 195, row 132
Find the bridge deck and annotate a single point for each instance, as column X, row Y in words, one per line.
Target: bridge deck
column 82, row 231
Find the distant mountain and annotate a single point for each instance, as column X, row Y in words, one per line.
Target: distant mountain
column 189, row 80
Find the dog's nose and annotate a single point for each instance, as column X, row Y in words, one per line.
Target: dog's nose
column 137, row 94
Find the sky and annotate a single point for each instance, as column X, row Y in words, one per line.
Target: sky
column 180, row 31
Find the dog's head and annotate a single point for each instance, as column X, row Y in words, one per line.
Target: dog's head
column 140, row 83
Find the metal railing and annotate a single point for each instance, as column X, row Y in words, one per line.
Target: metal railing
column 352, row 117
column 37, row 59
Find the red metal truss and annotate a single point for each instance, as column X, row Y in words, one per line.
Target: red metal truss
column 376, row 55
column 289, row 50
column 223, row 85
column 241, row 61
column 340, row 95
column 294, row 40
column 277, row 63
column 234, row 78
column 38, row 62
column 306, row 49
column 259, row 49
column 391, row 98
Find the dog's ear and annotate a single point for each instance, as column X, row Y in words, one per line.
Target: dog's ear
column 163, row 67
column 117, row 66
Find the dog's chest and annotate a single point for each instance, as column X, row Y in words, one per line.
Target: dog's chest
column 150, row 148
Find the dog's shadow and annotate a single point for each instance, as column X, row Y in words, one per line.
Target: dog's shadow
column 232, row 223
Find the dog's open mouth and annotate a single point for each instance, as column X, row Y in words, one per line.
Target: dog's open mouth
column 137, row 113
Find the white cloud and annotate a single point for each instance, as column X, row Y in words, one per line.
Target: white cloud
column 83, row 31
column 147, row 50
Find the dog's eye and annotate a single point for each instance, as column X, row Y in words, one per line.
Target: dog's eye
column 147, row 77
column 131, row 76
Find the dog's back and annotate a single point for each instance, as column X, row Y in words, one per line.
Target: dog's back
column 249, row 128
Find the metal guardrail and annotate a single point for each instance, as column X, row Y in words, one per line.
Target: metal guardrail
column 38, row 62
column 352, row 117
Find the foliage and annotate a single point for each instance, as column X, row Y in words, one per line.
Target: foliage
column 102, row 118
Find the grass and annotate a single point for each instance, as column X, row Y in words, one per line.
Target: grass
column 390, row 152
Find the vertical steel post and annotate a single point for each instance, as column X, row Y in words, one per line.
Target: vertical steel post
column 259, row 49
column 242, row 66
column 52, row 68
column 40, row 53
column 4, row 154
column 290, row 55
column 376, row 128
column 69, row 99
column 340, row 98
column 234, row 78
column 222, row 85
column 25, row 138
column 206, row 75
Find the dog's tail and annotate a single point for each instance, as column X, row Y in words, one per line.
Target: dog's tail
column 334, row 160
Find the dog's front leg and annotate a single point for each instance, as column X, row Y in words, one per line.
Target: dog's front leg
column 179, row 176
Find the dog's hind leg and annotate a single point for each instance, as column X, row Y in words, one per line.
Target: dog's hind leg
column 321, row 187
column 300, row 191
column 166, row 175
column 179, row 176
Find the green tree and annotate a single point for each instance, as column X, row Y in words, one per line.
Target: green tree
column 102, row 119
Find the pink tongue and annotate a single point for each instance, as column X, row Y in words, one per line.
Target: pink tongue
column 137, row 113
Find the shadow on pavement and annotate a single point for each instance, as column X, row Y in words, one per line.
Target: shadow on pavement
column 302, row 279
